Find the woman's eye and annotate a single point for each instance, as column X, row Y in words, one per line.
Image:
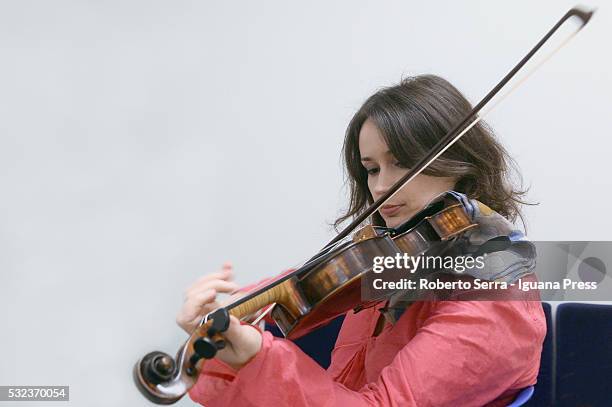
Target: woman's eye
column 371, row 171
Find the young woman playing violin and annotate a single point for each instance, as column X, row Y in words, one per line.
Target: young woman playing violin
column 425, row 353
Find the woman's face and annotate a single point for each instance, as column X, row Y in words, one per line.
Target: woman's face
column 384, row 170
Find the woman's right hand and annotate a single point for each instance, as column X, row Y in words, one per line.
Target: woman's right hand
column 200, row 297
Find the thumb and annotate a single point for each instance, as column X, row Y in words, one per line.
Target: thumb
column 242, row 336
column 234, row 332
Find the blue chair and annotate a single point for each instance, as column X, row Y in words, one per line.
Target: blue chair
column 522, row 397
column 543, row 392
column 584, row 355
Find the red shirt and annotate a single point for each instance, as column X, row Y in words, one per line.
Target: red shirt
column 439, row 353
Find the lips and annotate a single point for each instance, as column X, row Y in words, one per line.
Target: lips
column 390, row 210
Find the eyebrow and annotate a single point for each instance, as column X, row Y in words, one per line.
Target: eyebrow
column 370, row 159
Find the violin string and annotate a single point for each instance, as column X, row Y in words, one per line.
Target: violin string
column 263, row 314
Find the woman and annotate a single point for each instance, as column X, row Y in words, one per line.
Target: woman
column 424, row 353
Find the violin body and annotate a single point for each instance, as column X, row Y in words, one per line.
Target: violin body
column 330, row 289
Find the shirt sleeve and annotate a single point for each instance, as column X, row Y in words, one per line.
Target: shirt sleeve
column 466, row 353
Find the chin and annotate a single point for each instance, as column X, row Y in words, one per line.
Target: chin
column 392, row 223
column 398, row 220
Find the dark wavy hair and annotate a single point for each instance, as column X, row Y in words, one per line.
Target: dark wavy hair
column 412, row 117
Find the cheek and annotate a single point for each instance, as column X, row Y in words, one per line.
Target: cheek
column 424, row 188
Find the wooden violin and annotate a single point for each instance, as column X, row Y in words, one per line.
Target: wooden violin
column 326, row 287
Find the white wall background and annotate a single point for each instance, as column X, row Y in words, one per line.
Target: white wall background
column 142, row 143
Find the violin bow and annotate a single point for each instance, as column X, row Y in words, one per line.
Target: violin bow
column 446, row 142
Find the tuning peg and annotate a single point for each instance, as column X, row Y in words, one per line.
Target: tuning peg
column 205, row 347
column 220, row 322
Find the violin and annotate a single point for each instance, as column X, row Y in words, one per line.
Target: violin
column 329, row 284
column 326, row 287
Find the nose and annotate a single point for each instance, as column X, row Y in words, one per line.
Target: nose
column 384, row 181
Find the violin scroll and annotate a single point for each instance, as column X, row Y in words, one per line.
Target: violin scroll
column 164, row 380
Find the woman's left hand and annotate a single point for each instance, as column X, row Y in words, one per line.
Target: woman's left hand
column 242, row 343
